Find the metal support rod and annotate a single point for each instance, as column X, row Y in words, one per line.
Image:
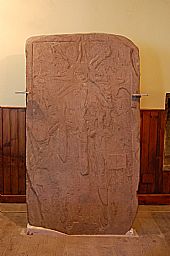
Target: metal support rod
column 21, row 92
column 140, row 95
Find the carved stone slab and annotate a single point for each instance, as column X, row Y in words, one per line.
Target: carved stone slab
column 82, row 133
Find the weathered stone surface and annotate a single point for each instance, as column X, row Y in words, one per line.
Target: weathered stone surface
column 82, row 133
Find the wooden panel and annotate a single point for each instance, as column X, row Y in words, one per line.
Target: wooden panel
column 152, row 145
column 14, row 150
column 12, row 154
column 12, row 164
column 145, row 124
column 22, row 152
column 148, row 178
column 160, row 149
column 152, row 148
column 6, row 151
column 166, row 182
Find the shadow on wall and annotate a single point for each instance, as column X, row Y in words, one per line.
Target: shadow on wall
column 12, row 78
column 152, row 78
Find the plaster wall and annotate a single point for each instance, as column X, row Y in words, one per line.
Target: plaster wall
column 145, row 22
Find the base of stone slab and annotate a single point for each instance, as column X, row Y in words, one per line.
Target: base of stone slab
column 33, row 230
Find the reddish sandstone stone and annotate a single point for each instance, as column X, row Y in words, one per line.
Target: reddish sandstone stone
column 82, row 133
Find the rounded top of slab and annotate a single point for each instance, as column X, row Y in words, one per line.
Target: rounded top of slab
column 86, row 36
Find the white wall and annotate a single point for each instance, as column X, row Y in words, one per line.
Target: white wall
column 146, row 22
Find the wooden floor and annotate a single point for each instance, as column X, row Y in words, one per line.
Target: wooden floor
column 152, row 224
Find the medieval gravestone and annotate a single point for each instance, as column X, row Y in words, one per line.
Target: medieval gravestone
column 82, row 133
